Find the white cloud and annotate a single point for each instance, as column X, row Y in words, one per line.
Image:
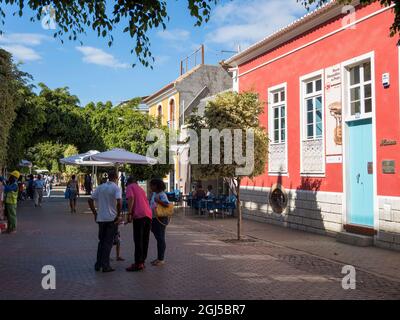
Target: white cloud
column 26, row 39
column 97, row 56
column 246, row 22
column 174, row 35
column 19, row 45
column 21, row 53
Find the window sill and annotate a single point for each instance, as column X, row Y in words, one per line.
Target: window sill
column 277, row 174
column 313, row 175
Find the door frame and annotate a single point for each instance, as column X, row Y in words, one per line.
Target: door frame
column 345, row 105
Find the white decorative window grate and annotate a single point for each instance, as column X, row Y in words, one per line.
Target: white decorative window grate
column 277, row 158
column 277, row 116
column 313, row 159
column 312, row 129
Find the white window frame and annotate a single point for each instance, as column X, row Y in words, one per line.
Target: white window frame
column 303, row 120
column 362, row 84
column 271, row 105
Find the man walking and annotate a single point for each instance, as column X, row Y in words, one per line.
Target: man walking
column 108, row 199
column 38, row 186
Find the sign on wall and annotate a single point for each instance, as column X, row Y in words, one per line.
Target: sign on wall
column 333, row 110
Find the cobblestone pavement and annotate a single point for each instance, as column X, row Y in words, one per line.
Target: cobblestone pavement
column 201, row 264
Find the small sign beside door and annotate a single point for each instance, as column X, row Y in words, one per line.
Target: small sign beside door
column 334, row 159
column 388, row 167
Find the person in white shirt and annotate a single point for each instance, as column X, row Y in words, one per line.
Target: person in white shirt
column 108, row 199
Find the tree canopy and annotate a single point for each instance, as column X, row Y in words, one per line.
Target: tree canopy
column 232, row 112
column 136, row 18
column 12, row 88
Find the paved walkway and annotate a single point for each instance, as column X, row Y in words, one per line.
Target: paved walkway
column 202, row 264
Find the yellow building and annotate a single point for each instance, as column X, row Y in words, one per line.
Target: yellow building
column 176, row 101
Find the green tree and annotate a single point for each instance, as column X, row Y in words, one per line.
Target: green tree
column 29, row 120
column 12, row 82
column 71, row 151
column 43, row 154
column 64, row 120
column 124, row 127
column 55, row 166
column 136, row 18
column 232, row 111
column 394, row 29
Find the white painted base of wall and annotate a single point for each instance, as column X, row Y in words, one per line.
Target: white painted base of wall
column 389, row 223
column 320, row 212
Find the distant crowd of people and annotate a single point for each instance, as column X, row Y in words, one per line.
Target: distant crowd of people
column 20, row 188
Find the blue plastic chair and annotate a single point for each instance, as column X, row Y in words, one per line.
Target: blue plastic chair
column 230, row 204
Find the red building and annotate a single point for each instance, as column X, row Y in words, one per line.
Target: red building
column 330, row 83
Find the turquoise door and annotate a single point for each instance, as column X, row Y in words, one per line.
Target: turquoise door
column 360, row 194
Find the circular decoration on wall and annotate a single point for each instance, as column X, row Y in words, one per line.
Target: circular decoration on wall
column 278, row 198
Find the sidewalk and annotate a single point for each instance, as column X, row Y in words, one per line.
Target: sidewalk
column 374, row 260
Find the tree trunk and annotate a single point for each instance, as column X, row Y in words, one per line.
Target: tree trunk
column 239, row 211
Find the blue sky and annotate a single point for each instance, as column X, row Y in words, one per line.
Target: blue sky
column 95, row 72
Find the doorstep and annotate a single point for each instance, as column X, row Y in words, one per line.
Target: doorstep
column 355, row 239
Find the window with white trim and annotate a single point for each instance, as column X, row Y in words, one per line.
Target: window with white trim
column 278, row 107
column 313, row 109
column 277, row 115
column 312, row 144
column 360, row 89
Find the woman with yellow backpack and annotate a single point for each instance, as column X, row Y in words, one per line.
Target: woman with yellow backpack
column 162, row 212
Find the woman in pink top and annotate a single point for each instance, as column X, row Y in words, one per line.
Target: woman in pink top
column 140, row 214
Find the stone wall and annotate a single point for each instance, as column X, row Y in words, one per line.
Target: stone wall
column 389, row 223
column 317, row 212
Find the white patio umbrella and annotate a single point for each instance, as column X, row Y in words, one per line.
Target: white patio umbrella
column 80, row 160
column 25, row 163
column 84, row 161
column 121, row 156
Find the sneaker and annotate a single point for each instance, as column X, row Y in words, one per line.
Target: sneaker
column 120, row 259
column 135, row 268
column 157, row 263
column 107, row 270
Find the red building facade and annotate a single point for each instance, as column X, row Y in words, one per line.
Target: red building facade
column 330, row 84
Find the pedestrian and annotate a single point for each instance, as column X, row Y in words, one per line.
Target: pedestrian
column 29, row 187
column 159, row 225
column 73, row 192
column 210, row 195
column 48, row 185
column 139, row 213
column 117, row 243
column 1, row 198
column 123, row 183
column 88, row 184
column 38, row 186
column 108, row 200
column 199, row 193
column 11, row 199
